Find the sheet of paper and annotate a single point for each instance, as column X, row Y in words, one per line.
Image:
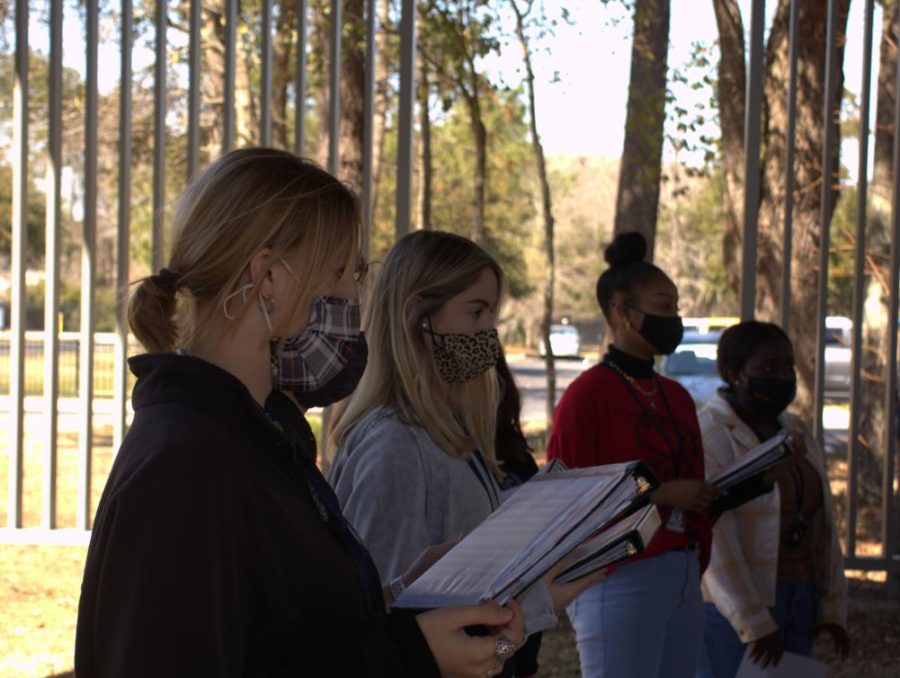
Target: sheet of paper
column 791, row 666
column 543, row 513
column 466, row 573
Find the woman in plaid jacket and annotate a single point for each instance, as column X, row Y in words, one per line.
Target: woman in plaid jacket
column 775, row 578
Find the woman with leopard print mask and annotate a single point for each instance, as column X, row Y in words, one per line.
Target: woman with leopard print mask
column 416, row 464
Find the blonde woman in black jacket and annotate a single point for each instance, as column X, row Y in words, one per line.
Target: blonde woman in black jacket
column 218, row 548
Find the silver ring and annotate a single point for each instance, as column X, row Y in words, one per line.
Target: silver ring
column 504, row 650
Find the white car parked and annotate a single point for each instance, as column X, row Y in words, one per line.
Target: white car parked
column 565, row 340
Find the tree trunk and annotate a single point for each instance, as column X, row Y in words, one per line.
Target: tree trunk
column 352, row 93
column 212, row 31
column 731, row 89
column 547, row 212
column 246, row 118
column 282, row 71
column 637, row 200
column 809, row 176
column 383, row 69
column 479, row 177
column 875, row 359
column 320, row 39
column 423, row 92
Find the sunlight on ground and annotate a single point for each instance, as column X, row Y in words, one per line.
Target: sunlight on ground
column 40, row 584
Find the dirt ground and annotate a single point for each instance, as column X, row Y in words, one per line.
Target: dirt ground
column 39, row 588
column 39, row 585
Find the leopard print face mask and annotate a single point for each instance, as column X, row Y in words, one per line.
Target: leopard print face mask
column 462, row 357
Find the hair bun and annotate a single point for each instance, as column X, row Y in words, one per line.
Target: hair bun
column 627, row 248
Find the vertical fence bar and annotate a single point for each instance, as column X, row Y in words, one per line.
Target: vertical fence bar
column 231, row 19
column 787, row 252
column 859, row 264
column 51, row 264
column 751, row 167
column 828, row 179
column 193, row 151
column 405, row 117
column 19, row 244
column 887, row 519
column 123, row 228
column 159, row 137
column 265, row 126
column 368, row 127
column 88, row 262
column 334, row 88
column 334, row 130
column 300, row 81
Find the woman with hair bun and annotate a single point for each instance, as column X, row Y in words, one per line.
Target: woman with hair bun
column 646, row 618
column 218, row 548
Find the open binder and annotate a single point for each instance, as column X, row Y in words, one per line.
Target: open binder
column 754, row 463
column 601, row 515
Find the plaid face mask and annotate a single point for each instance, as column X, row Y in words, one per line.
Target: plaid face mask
column 309, row 364
column 462, row 357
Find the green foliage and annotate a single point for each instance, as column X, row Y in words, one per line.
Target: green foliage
column 35, row 216
column 689, row 244
column 510, row 208
column 841, row 254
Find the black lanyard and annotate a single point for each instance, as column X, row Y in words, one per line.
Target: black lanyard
column 489, row 487
column 676, row 449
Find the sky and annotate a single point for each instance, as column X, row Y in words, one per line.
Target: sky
column 582, row 70
column 584, row 112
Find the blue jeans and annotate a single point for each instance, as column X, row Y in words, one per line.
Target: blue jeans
column 644, row 620
column 794, row 612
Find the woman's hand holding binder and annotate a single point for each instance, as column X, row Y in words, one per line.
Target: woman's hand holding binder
column 693, row 496
column 459, row 655
column 563, row 594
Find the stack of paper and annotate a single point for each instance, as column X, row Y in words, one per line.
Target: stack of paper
column 791, row 666
column 755, row 462
column 545, row 520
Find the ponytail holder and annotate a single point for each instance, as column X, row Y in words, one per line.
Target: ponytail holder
column 169, row 279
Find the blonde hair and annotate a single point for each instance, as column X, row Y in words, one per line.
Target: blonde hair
column 249, row 199
column 420, row 274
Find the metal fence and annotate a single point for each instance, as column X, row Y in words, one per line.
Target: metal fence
column 68, row 363
column 889, row 561
column 64, row 377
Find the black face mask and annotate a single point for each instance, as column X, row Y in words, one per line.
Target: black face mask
column 662, row 332
column 342, row 384
column 771, row 396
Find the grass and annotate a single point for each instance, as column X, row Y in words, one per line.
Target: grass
column 68, row 373
column 39, row 585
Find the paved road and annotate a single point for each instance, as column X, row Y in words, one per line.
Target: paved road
column 532, row 382
column 531, row 378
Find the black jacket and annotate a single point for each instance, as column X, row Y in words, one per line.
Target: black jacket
column 218, row 550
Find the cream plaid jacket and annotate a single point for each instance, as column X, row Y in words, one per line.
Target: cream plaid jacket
column 743, row 566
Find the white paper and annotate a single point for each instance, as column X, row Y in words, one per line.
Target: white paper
column 755, row 461
column 537, row 522
column 791, row 666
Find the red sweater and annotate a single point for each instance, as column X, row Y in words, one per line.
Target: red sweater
column 598, row 421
